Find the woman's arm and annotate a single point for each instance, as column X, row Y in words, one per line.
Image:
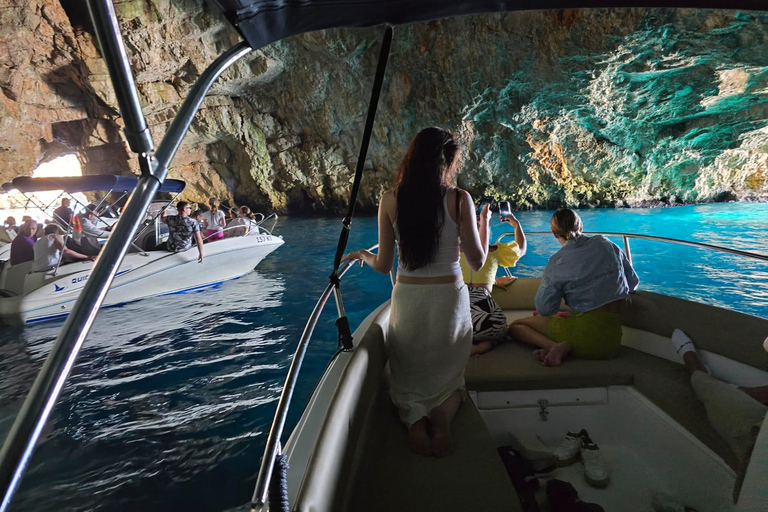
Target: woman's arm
column 222, row 219
column 549, row 295
column 474, row 243
column 383, row 260
column 519, row 233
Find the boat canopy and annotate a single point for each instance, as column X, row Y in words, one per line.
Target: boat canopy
column 261, row 22
column 7, row 187
column 92, row 183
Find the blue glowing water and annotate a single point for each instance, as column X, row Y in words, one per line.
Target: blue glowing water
column 172, row 397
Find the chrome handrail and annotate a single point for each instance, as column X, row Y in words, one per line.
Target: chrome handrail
column 278, row 424
column 265, row 219
column 627, row 236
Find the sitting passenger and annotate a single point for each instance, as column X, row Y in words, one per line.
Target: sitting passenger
column 49, row 248
column 89, row 241
column 181, row 228
column 22, row 247
column 198, row 216
column 63, row 214
column 213, row 220
column 489, row 325
column 735, row 413
column 594, row 277
column 10, row 225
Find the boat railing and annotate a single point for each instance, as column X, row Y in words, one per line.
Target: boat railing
column 260, row 223
column 273, row 448
column 628, row 250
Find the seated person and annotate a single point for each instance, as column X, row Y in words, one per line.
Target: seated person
column 214, row 221
column 241, row 224
column 10, row 226
column 89, row 240
column 198, row 216
column 594, row 277
column 181, row 229
column 63, row 214
column 489, row 325
column 736, row 413
column 22, row 247
column 50, row 248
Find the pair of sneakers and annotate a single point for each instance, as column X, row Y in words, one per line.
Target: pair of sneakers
column 577, row 446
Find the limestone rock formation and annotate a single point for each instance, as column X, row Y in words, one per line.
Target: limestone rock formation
column 584, row 108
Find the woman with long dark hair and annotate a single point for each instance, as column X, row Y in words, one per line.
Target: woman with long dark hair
column 430, row 329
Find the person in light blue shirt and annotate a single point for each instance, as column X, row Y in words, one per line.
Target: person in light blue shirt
column 594, row 277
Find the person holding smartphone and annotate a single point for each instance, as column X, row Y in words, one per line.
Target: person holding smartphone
column 430, row 330
column 489, row 325
column 594, row 277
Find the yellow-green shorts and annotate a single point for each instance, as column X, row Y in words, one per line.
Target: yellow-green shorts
column 592, row 335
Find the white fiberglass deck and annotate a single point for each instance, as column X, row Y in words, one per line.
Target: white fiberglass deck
column 646, row 451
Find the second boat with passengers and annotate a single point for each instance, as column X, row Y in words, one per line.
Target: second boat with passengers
column 31, row 296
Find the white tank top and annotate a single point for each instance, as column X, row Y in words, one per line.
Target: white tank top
column 447, row 261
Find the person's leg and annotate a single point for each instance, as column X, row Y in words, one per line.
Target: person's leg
column 419, row 437
column 441, row 418
column 532, row 331
column 759, row 393
column 481, row 347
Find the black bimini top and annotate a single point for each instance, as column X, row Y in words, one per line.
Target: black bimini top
column 262, row 22
column 92, row 183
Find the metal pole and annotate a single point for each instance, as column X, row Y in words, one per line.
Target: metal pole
column 20, row 444
column 112, row 48
column 273, row 441
column 627, row 252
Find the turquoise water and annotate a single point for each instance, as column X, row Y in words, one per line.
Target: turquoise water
column 172, row 398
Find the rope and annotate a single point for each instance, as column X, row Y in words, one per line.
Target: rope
column 278, row 486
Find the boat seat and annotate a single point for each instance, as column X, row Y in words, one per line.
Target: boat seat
column 512, row 366
column 17, row 274
column 362, row 460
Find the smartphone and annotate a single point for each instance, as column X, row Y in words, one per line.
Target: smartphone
column 504, row 209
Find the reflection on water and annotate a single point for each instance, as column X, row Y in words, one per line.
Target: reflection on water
column 171, row 397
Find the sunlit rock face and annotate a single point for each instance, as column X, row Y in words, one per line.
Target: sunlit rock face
column 554, row 108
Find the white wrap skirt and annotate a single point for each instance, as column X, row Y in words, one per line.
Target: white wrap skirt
column 429, row 343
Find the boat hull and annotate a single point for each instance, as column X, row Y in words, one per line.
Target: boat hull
column 140, row 276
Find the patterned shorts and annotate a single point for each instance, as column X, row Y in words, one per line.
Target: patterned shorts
column 488, row 320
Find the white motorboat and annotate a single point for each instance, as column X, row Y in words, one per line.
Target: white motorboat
column 28, row 296
column 349, row 451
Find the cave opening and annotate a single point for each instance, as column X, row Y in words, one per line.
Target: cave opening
column 78, row 15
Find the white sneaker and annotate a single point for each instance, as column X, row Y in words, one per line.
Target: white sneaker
column 595, row 469
column 567, row 452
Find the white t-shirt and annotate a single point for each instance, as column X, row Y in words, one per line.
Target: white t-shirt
column 46, row 253
column 214, row 221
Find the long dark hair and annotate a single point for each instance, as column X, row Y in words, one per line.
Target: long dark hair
column 428, row 166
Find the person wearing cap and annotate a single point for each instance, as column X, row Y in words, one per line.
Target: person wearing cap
column 89, row 242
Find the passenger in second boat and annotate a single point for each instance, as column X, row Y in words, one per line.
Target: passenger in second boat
column 214, row 221
column 181, row 229
column 50, row 248
column 594, row 277
column 489, row 325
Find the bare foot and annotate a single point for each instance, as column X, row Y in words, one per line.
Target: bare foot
column 442, row 442
column 556, row 354
column 481, row 348
column 541, row 354
column 419, row 437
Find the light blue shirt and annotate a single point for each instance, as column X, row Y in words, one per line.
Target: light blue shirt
column 588, row 272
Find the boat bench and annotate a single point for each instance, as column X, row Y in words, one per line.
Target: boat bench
column 364, row 455
column 512, row 366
